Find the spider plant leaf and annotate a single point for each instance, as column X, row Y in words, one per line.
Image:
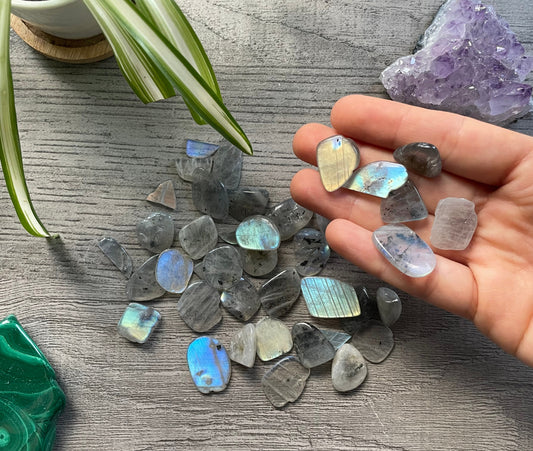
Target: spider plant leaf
column 148, row 82
column 190, row 84
column 10, row 152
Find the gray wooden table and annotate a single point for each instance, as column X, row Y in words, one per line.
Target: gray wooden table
column 92, row 153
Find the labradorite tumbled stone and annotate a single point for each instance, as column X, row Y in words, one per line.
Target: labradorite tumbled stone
column 369, row 312
column 227, row 165
column 280, row 293
column 259, row 263
column 337, row 157
column 389, row 305
column 209, row 195
column 311, row 251
column 242, row 348
column 199, row 307
column 421, row 158
column 258, row 233
column 117, row 254
column 173, row 270
column 375, row 342
column 273, row 338
column 285, row 381
column 241, row 300
column 209, row 364
column 329, row 298
column 199, row 149
column 335, row 337
column 187, row 165
column 348, row 369
column 311, row 345
column 222, row 267
column 198, row 237
column 403, row 205
column 244, row 202
column 142, row 285
column 378, row 178
column 30, row 397
column 289, row 217
column 156, row 232
column 137, row 322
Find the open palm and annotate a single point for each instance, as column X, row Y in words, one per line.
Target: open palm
column 491, row 282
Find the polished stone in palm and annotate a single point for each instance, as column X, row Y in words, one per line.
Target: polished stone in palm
column 421, row 158
column 142, row 285
column 138, row 322
column 245, row 202
column 329, row 298
column 454, row 225
column 285, row 381
column 199, row 237
column 258, row 233
column 117, row 254
column 378, row 178
column 243, row 346
column 30, row 397
column 200, row 149
column 222, row 267
column 279, row 294
column 273, row 338
column 164, row 195
column 209, row 364
column 335, row 337
column 405, row 250
column 403, row 205
column 389, row 305
column 349, row 369
column 259, row 263
column 227, row 165
column 173, row 271
column 156, row 232
column 289, row 217
column 199, row 307
column 311, row 345
column 311, row 252
column 241, row 300
column 337, row 157
column 187, row 165
column 209, row 195
column 375, row 342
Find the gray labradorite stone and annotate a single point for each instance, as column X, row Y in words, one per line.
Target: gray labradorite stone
column 403, row 205
column 280, row 293
column 375, row 342
column 389, row 305
column 222, row 267
column 199, row 307
column 329, row 298
column 273, row 338
column 337, row 157
column 173, row 270
column 311, row 252
column 311, row 345
column 156, row 232
column 322, row 223
column 369, row 312
column 289, row 217
column 198, row 237
column 242, row 348
column 209, row 195
column 258, row 233
column 348, row 369
column 187, row 165
column 227, row 233
column 244, row 202
column 285, row 381
column 117, row 254
column 142, row 285
column 227, row 165
column 241, row 300
column 421, row 158
column 336, row 338
column 259, row 263
column 454, row 225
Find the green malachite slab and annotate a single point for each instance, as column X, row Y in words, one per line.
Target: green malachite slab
column 330, row 298
column 30, row 398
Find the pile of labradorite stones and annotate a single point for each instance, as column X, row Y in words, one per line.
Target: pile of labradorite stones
column 225, row 260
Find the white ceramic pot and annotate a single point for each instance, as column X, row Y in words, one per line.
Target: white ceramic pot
column 68, row 19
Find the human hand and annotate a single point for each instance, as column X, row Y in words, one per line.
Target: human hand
column 491, row 282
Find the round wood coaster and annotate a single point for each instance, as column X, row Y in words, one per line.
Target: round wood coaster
column 76, row 51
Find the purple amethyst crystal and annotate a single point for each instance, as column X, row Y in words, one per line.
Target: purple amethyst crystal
column 468, row 62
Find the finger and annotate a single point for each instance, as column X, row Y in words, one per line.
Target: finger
column 354, row 243
column 432, row 190
column 469, row 148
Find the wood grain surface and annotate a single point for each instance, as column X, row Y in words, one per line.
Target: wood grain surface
column 93, row 152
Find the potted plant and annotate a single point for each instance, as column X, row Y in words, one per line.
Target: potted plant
column 156, row 49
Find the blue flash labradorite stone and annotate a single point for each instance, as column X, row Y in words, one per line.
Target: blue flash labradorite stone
column 258, row 233
column 405, row 250
column 173, row 271
column 329, row 298
column 199, row 149
column 138, row 322
column 30, row 397
column 378, row 178
column 209, row 364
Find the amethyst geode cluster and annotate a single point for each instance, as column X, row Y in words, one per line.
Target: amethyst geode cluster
column 469, row 62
